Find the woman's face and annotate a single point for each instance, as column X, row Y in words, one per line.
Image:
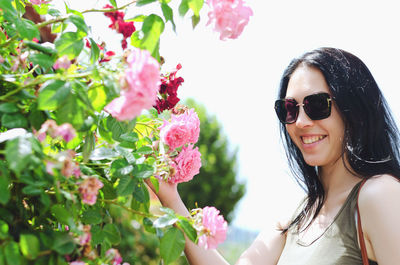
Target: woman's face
column 319, row 141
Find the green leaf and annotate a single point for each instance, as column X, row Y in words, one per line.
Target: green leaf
column 92, row 217
column 4, row 188
column 195, row 20
column 63, row 244
column 125, row 186
column 42, row 60
column 8, row 7
column 62, row 214
column 172, row 245
column 29, row 245
column 143, row 171
column 148, row 225
column 144, row 2
column 196, row 6
column 108, row 190
column 18, row 153
column 112, row 234
column 141, row 193
column 8, row 107
column 145, row 150
column 94, row 51
column 27, row 29
column 3, row 230
column 53, row 93
column 126, row 153
column 130, row 137
column 31, row 190
column 165, row 220
column 12, row 254
column 152, row 28
column 70, row 44
column 98, row 97
column 168, row 14
column 79, row 22
column 14, row 120
column 97, row 235
column 72, row 110
column 54, row 12
column 39, row 47
column 156, row 183
column 185, row 225
column 114, row 3
column 117, row 167
column 88, row 146
column 138, row 18
column 103, row 153
column 184, row 7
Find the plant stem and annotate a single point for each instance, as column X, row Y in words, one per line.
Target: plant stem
column 109, row 9
column 131, row 210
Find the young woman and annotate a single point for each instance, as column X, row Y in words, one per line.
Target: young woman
column 343, row 146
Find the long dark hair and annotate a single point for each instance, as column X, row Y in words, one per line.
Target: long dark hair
column 371, row 137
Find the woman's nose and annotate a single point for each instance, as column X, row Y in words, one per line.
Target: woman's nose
column 302, row 119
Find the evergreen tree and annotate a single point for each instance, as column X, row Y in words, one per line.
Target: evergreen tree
column 216, row 184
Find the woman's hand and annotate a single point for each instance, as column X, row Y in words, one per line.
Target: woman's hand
column 169, row 196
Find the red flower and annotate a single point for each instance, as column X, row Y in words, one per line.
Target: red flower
column 168, row 91
column 126, row 28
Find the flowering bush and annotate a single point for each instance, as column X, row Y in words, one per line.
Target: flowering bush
column 79, row 135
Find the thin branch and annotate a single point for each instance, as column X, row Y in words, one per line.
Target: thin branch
column 109, row 9
column 132, row 210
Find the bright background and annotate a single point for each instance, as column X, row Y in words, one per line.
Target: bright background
column 237, row 80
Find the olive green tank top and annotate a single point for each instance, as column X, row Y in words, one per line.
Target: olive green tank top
column 338, row 245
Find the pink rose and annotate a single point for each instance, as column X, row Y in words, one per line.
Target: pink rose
column 230, row 17
column 214, row 228
column 140, row 86
column 186, row 165
column 38, row 2
column 62, row 62
column 86, row 237
column 66, row 131
column 89, row 189
column 181, row 130
column 114, row 255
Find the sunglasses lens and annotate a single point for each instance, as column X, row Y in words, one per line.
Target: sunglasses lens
column 287, row 110
column 317, row 106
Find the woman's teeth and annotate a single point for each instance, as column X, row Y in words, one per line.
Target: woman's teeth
column 312, row 139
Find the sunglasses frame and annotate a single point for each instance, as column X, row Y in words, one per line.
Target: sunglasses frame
column 328, row 98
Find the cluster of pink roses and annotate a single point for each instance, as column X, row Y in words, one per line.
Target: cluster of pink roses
column 210, row 225
column 120, row 25
column 64, row 162
column 230, row 17
column 139, row 86
column 168, row 91
column 182, row 130
column 50, row 127
column 89, row 188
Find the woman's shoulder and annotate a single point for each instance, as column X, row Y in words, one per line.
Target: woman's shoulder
column 379, row 187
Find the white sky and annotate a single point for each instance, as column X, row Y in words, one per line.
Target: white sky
column 237, row 80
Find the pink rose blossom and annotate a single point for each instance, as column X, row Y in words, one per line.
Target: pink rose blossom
column 186, row 165
column 139, row 86
column 86, row 237
column 114, row 255
column 50, row 166
column 62, row 62
column 66, row 131
column 182, row 129
column 214, row 228
column 230, row 17
column 38, row 2
column 89, row 189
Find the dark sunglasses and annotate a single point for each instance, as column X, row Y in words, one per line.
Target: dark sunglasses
column 316, row 106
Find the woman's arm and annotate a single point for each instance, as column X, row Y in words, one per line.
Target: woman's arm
column 265, row 250
column 379, row 204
